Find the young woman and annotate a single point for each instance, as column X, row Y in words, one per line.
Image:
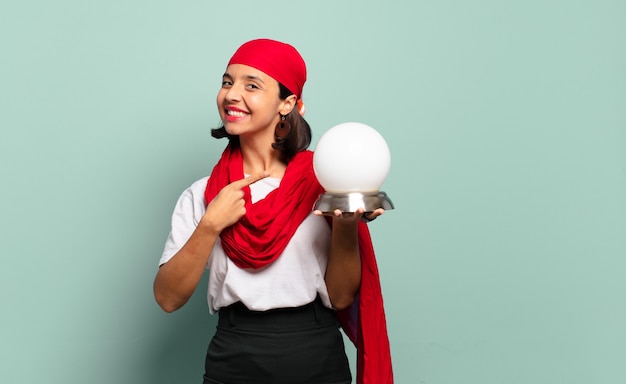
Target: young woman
column 281, row 277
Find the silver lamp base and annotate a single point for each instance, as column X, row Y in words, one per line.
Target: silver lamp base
column 350, row 202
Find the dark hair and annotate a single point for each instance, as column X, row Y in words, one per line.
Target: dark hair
column 297, row 140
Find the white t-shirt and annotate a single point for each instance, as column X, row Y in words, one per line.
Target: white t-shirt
column 294, row 279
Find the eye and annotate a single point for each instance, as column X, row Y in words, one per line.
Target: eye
column 252, row 86
column 226, row 83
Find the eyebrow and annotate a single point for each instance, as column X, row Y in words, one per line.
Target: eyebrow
column 248, row 77
column 252, row 77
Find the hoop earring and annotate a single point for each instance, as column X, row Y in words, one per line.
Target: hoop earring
column 282, row 128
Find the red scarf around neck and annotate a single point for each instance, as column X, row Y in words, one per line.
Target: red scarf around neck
column 262, row 234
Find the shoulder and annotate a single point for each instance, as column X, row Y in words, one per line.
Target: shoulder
column 198, row 186
column 188, row 212
column 192, row 197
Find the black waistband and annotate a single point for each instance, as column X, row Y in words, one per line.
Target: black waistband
column 309, row 316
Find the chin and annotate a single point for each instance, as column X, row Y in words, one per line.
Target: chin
column 232, row 132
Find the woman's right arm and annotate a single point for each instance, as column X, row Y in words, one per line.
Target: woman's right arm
column 178, row 278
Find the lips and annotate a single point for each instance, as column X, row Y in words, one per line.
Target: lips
column 234, row 113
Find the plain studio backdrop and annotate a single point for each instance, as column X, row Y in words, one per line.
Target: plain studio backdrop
column 504, row 261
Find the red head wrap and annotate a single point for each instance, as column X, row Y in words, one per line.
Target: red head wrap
column 280, row 61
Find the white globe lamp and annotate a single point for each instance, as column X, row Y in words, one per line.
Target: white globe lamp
column 351, row 161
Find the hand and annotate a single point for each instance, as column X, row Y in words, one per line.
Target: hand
column 228, row 206
column 359, row 214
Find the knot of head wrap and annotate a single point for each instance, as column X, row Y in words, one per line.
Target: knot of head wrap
column 280, row 61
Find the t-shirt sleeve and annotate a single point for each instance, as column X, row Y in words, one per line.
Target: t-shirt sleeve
column 188, row 212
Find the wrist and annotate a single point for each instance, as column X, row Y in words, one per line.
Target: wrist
column 208, row 227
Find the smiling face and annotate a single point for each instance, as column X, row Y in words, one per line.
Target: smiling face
column 249, row 102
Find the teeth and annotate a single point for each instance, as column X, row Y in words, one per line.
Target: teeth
column 236, row 113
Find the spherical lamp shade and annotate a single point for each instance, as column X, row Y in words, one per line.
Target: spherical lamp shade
column 352, row 160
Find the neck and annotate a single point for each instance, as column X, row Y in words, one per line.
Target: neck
column 259, row 156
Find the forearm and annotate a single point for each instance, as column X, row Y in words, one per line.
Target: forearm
column 343, row 273
column 177, row 279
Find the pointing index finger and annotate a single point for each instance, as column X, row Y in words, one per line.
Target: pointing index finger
column 250, row 180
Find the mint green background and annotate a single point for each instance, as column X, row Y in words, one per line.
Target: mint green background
column 504, row 262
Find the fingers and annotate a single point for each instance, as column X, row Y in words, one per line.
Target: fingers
column 347, row 216
column 359, row 214
column 372, row 215
column 249, row 180
column 229, row 205
column 375, row 213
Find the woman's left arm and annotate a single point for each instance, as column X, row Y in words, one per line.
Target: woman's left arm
column 343, row 273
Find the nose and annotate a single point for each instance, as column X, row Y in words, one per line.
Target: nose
column 233, row 93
